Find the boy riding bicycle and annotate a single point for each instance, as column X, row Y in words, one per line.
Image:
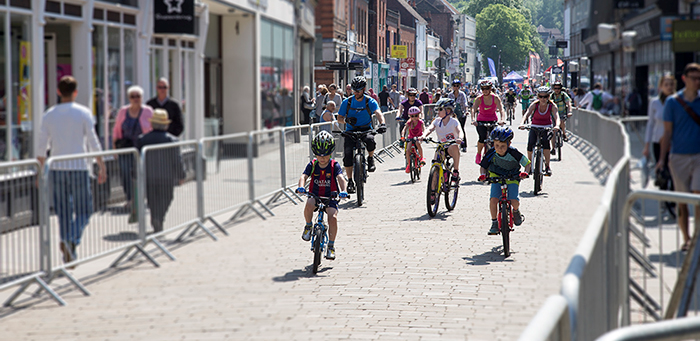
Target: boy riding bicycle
column 415, row 128
column 326, row 177
column 447, row 129
column 503, row 160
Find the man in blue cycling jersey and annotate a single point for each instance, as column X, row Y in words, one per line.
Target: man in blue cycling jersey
column 356, row 112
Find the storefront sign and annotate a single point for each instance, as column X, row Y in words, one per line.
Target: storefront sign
column 24, row 100
column 667, row 28
column 428, row 63
column 368, row 71
column 411, row 63
column 628, row 4
column 686, row 36
column 399, row 51
column 173, row 16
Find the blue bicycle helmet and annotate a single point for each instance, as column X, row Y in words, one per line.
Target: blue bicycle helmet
column 503, row 134
column 457, row 82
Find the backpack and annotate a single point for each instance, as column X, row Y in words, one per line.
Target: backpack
column 365, row 98
column 597, row 101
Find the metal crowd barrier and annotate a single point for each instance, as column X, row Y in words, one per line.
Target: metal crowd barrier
column 678, row 329
column 222, row 174
column 551, row 323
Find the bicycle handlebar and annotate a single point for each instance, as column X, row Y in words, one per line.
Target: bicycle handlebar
column 438, row 142
column 503, row 178
column 334, row 196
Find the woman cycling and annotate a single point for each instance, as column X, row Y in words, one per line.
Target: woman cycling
column 487, row 103
column 544, row 114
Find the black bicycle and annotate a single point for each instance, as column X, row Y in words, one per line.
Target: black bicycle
column 359, row 161
column 559, row 140
column 319, row 234
column 505, row 211
column 543, row 134
column 488, row 144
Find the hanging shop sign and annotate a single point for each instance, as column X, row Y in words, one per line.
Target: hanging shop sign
column 686, row 36
column 173, row 16
column 399, row 51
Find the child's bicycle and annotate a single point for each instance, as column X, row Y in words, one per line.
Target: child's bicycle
column 440, row 179
column 414, row 159
column 319, row 233
column 543, row 134
column 505, row 211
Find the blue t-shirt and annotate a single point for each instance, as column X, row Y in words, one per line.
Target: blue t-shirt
column 323, row 180
column 686, row 133
column 358, row 109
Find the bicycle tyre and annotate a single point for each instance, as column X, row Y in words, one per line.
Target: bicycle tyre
column 359, row 179
column 318, row 236
column 538, row 171
column 418, row 167
column 451, row 200
column 560, row 142
column 412, row 167
column 433, row 207
column 505, row 228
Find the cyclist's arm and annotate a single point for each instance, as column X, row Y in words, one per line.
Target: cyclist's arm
column 302, row 180
column 380, row 116
column 400, row 111
column 342, row 110
column 525, row 162
column 477, row 103
column 527, row 114
column 500, row 108
column 429, row 131
column 568, row 105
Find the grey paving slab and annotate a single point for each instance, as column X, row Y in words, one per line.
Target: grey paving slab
column 398, row 275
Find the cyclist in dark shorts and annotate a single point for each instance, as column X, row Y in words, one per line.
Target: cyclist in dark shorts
column 511, row 97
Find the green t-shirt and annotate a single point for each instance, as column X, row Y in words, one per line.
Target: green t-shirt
column 526, row 95
column 561, row 101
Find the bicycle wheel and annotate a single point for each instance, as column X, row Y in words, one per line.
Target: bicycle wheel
column 560, row 142
column 417, row 168
column 505, row 227
column 537, row 173
column 318, row 237
column 358, row 175
column 451, row 193
column 433, row 194
column 412, row 166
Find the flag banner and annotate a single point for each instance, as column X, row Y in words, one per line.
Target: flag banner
column 492, row 68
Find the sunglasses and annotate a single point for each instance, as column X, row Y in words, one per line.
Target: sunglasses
column 441, row 109
column 482, row 89
column 540, row 96
column 411, row 95
column 161, row 87
column 416, row 115
column 135, row 96
column 556, row 88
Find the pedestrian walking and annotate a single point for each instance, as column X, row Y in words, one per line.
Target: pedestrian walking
column 682, row 138
column 132, row 120
column 334, row 96
column 320, row 106
column 173, row 107
column 307, row 105
column 348, row 91
column 385, row 99
column 395, row 97
column 163, row 167
column 68, row 128
column 424, row 96
column 597, row 99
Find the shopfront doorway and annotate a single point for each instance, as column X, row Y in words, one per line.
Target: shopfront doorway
column 58, row 61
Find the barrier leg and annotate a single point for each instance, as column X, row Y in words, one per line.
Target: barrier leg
column 218, row 226
column 163, row 249
column 122, row 256
column 284, row 191
column 42, row 285
column 75, row 282
column 183, row 233
column 265, row 207
column 295, row 195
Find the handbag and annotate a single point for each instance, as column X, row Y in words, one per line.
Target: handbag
column 125, row 142
column 688, row 109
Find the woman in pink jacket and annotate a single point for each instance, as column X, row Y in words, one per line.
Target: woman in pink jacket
column 132, row 120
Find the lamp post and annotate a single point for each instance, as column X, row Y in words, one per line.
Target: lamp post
column 498, row 67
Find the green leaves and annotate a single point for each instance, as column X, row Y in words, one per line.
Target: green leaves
column 508, row 29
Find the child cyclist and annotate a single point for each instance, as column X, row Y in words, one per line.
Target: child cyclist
column 326, row 177
column 447, row 128
column 503, row 160
column 414, row 127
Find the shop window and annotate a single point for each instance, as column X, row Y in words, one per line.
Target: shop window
column 98, row 14
column 2, row 2
column 129, row 61
column 53, row 7
column 132, row 3
column 157, row 41
column 114, row 71
column 98, row 66
column 72, row 10
column 16, row 116
column 276, row 74
column 129, row 19
column 21, row 3
column 114, row 16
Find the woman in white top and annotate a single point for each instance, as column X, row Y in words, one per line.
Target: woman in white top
column 655, row 125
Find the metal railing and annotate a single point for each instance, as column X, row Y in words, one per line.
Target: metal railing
column 678, row 329
column 231, row 173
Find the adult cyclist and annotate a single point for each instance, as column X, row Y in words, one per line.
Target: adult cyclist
column 460, row 99
column 563, row 102
column 487, row 105
column 510, row 97
column 356, row 112
column 525, row 98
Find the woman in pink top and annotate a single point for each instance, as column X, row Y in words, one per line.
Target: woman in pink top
column 544, row 114
column 132, row 120
column 487, row 104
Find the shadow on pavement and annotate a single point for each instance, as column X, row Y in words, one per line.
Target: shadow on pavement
column 472, row 183
column 404, row 183
column 489, row 257
column 532, row 195
column 673, row 259
column 295, row 275
column 425, row 217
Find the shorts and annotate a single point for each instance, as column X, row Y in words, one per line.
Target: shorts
column 512, row 191
column 685, row 170
column 563, row 117
column 350, row 144
column 483, row 131
column 525, row 104
column 531, row 141
column 331, row 203
column 510, row 105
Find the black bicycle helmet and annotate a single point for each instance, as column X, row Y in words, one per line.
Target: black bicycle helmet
column 503, row 134
column 358, row 83
column 323, row 144
column 446, row 102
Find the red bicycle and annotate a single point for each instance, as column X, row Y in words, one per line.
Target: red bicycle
column 414, row 159
column 505, row 211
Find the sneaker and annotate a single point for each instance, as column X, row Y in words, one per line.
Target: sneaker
column 422, row 162
column 548, row 172
column 455, row 177
column 351, row 187
column 566, row 138
column 306, row 236
column 494, row 228
column 370, row 164
column 517, row 217
column 330, row 253
column 67, row 252
column 478, row 158
column 408, row 169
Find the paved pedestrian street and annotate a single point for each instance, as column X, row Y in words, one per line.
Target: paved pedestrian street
column 399, row 275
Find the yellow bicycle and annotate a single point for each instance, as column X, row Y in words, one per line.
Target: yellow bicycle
column 440, row 179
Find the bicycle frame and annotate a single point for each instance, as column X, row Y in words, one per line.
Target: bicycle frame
column 441, row 161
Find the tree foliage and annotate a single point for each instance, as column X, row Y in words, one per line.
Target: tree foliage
column 548, row 13
column 509, row 30
column 477, row 6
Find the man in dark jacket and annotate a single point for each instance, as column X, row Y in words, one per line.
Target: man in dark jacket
column 164, row 168
column 171, row 106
